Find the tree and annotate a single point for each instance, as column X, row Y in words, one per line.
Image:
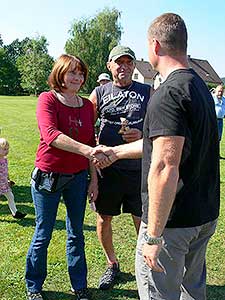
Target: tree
column 8, row 74
column 93, row 39
column 1, row 41
column 35, row 65
column 16, row 49
column 12, row 84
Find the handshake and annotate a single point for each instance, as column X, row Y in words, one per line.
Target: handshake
column 103, row 156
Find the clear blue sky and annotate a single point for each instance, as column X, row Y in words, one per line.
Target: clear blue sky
column 205, row 21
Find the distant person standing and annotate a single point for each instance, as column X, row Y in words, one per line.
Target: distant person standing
column 103, row 78
column 219, row 100
column 5, row 183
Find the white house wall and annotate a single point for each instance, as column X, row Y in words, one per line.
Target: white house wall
column 137, row 76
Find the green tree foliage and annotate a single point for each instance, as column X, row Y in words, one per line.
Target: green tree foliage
column 92, row 39
column 9, row 75
column 16, row 49
column 35, row 65
column 1, row 41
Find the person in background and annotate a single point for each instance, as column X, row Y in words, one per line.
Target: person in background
column 219, row 101
column 120, row 105
column 180, row 172
column 103, row 78
column 66, row 125
column 5, row 183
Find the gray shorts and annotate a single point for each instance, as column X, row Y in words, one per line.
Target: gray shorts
column 183, row 260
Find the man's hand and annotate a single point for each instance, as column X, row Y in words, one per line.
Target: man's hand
column 93, row 190
column 132, row 135
column 107, row 159
column 151, row 254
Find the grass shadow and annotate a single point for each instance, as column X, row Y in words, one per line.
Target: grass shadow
column 95, row 294
column 22, row 193
column 215, row 292
column 125, row 277
column 27, row 221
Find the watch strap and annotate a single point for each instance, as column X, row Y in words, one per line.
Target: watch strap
column 153, row 240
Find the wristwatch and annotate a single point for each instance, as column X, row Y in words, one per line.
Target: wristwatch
column 153, row 240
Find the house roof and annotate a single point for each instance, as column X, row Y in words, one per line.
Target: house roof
column 204, row 70
column 201, row 67
column 145, row 69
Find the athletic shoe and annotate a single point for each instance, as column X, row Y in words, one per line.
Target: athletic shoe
column 109, row 276
column 19, row 215
column 34, row 296
column 81, row 294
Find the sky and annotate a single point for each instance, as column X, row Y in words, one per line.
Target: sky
column 53, row 19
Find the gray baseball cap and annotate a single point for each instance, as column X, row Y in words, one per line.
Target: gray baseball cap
column 103, row 76
column 119, row 51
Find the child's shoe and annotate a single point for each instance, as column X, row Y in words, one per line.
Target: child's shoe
column 19, row 215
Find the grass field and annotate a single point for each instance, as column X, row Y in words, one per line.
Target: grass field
column 18, row 125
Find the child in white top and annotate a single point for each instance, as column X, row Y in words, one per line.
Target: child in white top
column 5, row 188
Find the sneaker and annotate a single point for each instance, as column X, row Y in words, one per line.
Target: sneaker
column 19, row 215
column 109, row 276
column 34, row 296
column 81, row 294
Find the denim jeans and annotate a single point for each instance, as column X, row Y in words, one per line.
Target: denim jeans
column 46, row 206
column 220, row 128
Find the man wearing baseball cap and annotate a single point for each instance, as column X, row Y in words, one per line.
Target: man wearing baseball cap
column 103, row 78
column 121, row 106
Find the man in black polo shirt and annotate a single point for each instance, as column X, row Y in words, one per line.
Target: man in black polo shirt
column 180, row 172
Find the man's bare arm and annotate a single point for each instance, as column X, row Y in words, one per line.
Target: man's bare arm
column 162, row 185
column 93, row 99
column 162, row 180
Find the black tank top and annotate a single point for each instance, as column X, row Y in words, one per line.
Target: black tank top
column 114, row 102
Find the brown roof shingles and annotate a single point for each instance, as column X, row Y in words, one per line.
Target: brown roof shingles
column 201, row 67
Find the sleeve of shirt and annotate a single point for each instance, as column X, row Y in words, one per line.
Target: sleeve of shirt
column 47, row 117
column 167, row 115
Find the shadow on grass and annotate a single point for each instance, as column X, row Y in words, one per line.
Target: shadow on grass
column 125, row 277
column 27, row 222
column 215, row 292
column 95, row 294
column 22, row 195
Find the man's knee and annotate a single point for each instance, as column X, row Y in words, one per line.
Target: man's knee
column 104, row 220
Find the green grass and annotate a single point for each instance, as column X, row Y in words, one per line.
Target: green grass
column 18, row 125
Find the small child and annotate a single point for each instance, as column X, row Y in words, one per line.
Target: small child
column 5, row 186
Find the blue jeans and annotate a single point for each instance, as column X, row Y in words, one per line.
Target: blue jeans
column 46, row 206
column 220, row 128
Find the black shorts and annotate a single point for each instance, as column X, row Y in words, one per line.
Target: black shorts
column 119, row 188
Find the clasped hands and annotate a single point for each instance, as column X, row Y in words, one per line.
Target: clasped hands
column 103, row 156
